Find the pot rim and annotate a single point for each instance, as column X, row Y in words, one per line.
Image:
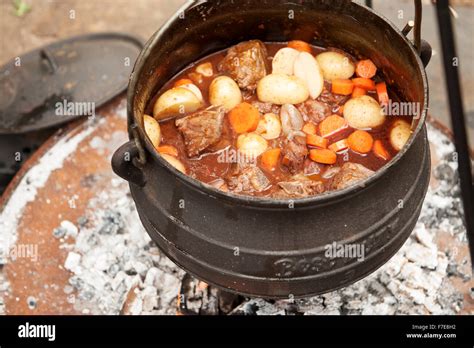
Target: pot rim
column 265, row 202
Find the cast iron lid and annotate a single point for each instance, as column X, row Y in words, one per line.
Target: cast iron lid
column 91, row 68
column 48, row 87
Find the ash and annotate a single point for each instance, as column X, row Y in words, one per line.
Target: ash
column 116, row 269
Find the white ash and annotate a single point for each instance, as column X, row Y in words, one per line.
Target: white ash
column 113, row 255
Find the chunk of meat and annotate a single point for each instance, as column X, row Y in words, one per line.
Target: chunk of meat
column 294, row 153
column 312, row 168
column 246, row 63
column 313, row 110
column 201, row 130
column 299, row 187
column 350, row 174
column 248, row 179
column 266, row 108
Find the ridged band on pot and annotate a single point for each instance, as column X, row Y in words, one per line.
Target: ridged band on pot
column 266, row 247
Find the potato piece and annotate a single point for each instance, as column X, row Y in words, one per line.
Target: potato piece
column 205, row 69
column 284, row 61
column 176, row 101
column 399, row 134
column 195, row 89
column 282, row 89
column 152, row 130
column 307, row 68
column 363, row 112
column 251, row 145
column 174, row 162
column 269, row 127
column 335, row 66
column 225, row 92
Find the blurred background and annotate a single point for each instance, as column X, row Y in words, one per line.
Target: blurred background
column 29, row 24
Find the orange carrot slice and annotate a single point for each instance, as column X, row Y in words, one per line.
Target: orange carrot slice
column 316, row 140
column 183, row 82
column 360, row 141
column 380, row 151
column 244, row 118
column 310, row 128
column 331, row 125
column 300, row 46
column 338, row 146
column 269, row 159
column 342, row 86
column 366, row 69
column 366, row 84
column 323, row 156
column 358, row 92
column 382, row 93
column 168, row 150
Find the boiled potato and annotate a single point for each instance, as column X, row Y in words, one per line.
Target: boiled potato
column 225, row 92
column 399, row 134
column 335, row 66
column 307, row 68
column 176, row 101
column 284, row 61
column 363, row 113
column 282, row 89
column 195, row 89
column 153, row 130
column 174, row 162
column 251, row 145
column 205, row 69
column 269, row 127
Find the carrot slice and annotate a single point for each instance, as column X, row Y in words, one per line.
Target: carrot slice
column 331, row 125
column 382, row 93
column 323, row 156
column 269, row 159
column 339, row 145
column 366, row 69
column 300, row 46
column 358, row 92
column 342, row 86
column 380, row 151
column 183, row 82
column 168, row 150
column 310, row 128
column 366, row 84
column 316, row 140
column 360, row 141
column 244, row 118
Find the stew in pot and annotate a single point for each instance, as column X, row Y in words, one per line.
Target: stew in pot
column 279, row 120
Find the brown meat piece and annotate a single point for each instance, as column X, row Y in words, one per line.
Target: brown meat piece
column 266, row 108
column 294, row 153
column 313, row 110
column 246, row 63
column 350, row 174
column 299, row 187
column 201, row 130
column 248, row 179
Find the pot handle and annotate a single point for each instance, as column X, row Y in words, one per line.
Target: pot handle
column 126, row 165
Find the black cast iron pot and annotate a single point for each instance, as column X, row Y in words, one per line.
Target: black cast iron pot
column 265, row 247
